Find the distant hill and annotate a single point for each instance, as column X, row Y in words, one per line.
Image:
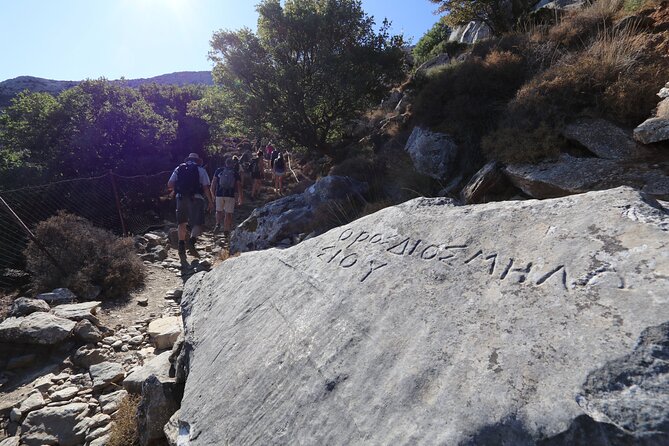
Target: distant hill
column 11, row 87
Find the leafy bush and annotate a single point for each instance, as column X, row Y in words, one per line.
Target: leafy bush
column 432, row 43
column 88, row 257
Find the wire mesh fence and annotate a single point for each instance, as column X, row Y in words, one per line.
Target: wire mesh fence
column 124, row 205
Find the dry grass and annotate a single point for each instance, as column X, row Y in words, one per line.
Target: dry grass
column 577, row 28
column 124, row 430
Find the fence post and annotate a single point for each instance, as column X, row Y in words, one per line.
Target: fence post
column 32, row 236
column 118, row 203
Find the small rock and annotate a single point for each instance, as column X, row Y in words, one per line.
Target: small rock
column 15, row 415
column 87, row 332
column 87, row 355
column 54, row 425
column 10, row 441
column 124, row 348
column 99, row 432
column 143, row 301
column 33, row 402
column 117, row 345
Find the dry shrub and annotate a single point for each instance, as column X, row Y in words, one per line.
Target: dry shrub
column 124, row 430
column 88, row 256
column 514, row 145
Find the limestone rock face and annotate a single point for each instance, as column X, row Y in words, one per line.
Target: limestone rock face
column 433, row 154
column 430, row 324
column 470, row 33
column 36, row 328
column 571, row 175
column 290, row 216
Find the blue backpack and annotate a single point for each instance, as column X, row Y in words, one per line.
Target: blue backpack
column 226, row 180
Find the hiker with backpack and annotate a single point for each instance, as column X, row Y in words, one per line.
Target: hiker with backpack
column 279, row 169
column 191, row 184
column 225, row 185
column 257, row 173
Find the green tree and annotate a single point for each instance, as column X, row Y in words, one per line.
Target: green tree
column 433, row 42
column 312, row 66
column 497, row 14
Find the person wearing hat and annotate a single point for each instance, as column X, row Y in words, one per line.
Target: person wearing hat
column 191, row 184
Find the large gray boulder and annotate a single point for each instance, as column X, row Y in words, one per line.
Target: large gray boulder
column 432, row 324
column 314, row 210
column 55, row 425
column 433, row 154
column 36, row 328
column 571, row 175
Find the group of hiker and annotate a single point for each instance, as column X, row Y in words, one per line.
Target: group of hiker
column 191, row 184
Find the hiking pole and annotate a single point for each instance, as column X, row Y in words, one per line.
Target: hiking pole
column 32, row 236
column 291, row 169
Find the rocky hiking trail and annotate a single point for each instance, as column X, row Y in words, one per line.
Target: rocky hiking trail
column 62, row 389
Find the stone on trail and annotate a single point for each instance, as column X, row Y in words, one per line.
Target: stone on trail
column 501, row 323
column 54, row 425
column 36, row 328
column 159, row 366
column 106, row 373
column 110, row 402
column 87, row 332
column 165, row 331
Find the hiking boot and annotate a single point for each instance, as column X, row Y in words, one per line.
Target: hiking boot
column 191, row 249
column 182, row 252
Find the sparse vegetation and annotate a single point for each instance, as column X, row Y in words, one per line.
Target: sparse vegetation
column 88, row 257
column 124, row 430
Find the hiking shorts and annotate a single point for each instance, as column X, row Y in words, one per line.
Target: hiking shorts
column 225, row 204
column 190, row 210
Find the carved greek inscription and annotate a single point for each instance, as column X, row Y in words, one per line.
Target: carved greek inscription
column 373, row 266
column 490, row 262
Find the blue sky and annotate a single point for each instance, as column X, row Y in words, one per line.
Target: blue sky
column 78, row 39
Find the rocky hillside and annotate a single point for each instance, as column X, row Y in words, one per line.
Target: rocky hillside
column 11, row 87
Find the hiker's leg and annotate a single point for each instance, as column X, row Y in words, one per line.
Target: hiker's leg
column 229, row 211
column 183, row 209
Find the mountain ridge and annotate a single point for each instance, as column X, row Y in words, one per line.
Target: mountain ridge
column 11, row 87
